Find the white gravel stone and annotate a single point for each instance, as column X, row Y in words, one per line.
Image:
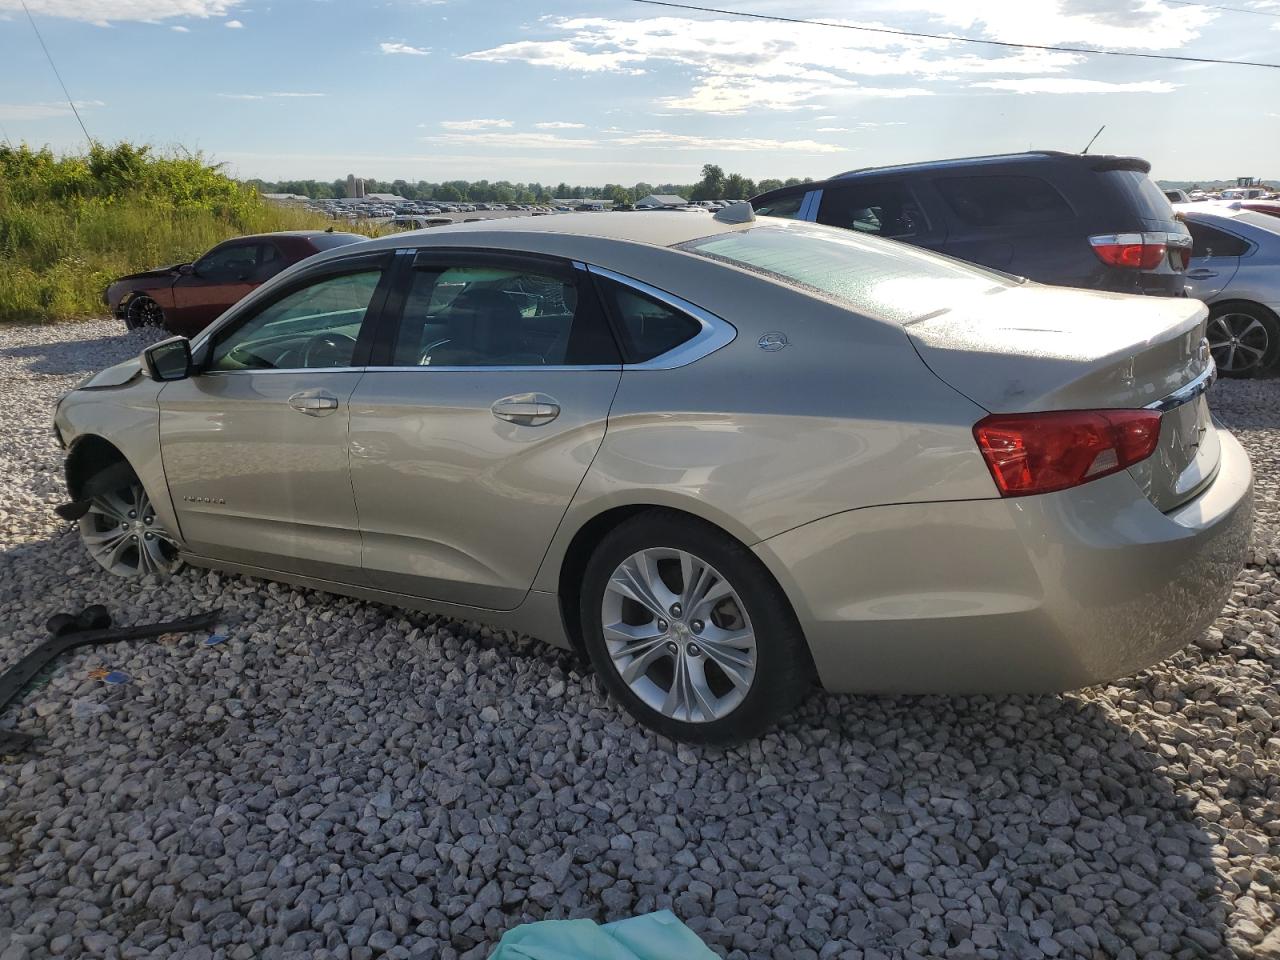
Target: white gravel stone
column 345, row 780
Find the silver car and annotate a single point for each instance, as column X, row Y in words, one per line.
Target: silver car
column 723, row 457
column 1235, row 268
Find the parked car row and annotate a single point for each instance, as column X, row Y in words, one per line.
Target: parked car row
column 1096, row 222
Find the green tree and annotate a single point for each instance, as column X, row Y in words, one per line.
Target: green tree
column 711, row 186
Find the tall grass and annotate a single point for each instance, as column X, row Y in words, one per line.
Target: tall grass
column 69, row 225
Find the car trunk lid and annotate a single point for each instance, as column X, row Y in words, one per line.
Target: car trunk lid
column 1033, row 348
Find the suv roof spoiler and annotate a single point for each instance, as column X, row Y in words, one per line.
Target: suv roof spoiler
column 1099, row 163
column 1103, row 164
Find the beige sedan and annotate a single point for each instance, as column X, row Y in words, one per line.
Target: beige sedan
column 723, row 456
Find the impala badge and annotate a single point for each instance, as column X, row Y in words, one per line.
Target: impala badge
column 772, row 342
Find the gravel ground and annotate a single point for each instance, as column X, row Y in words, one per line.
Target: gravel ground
column 340, row 779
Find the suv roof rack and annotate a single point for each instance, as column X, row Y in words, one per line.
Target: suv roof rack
column 1098, row 162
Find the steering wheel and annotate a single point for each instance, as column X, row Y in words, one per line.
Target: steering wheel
column 328, row 350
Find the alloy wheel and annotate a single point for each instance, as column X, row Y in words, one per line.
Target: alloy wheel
column 678, row 635
column 122, row 533
column 145, row 312
column 1238, row 342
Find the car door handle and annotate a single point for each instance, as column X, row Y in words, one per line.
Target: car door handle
column 314, row 403
column 1201, row 274
column 526, row 409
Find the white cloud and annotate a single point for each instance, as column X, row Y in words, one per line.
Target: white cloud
column 833, row 130
column 559, row 125
column 44, row 111
column 103, row 12
column 674, row 141
column 1075, row 85
column 391, row 47
column 180, row 29
column 268, row 96
column 475, row 124
column 1119, row 24
column 539, row 141
column 736, row 67
column 234, row 25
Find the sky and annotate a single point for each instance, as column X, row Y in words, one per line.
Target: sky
column 616, row 91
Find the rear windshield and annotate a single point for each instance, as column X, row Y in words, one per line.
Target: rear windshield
column 1139, row 189
column 878, row 278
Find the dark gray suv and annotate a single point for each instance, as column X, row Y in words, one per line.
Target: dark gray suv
column 1097, row 222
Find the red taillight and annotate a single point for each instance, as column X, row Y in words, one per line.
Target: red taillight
column 1133, row 251
column 1042, row 452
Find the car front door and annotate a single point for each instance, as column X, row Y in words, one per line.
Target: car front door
column 217, row 280
column 255, row 444
column 481, row 410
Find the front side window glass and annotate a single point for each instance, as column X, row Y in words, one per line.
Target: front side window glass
column 1004, row 201
column 788, row 206
column 233, row 262
column 885, row 209
column 476, row 316
column 313, row 327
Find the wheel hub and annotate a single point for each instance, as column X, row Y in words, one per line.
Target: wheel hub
column 678, row 635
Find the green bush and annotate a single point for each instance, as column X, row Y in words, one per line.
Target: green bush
column 69, row 225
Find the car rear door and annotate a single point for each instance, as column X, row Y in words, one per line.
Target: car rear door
column 1215, row 258
column 255, row 444
column 483, row 406
column 1011, row 221
column 886, row 208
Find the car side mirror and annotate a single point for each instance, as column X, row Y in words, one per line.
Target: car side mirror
column 186, row 269
column 168, row 360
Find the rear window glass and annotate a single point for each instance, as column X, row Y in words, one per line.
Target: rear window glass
column 878, row 278
column 1139, row 189
column 1210, row 242
column 886, row 208
column 1003, row 201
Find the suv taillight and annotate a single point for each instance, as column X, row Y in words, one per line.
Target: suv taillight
column 1041, row 452
column 1133, row 251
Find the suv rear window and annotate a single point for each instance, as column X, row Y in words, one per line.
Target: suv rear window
column 1003, row 201
column 877, row 278
column 1138, row 189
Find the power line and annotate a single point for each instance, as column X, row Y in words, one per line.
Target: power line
column 49, row 57
column 952, row 39
column 1211, row 6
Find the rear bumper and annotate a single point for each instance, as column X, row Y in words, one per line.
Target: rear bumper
column 1030, row 595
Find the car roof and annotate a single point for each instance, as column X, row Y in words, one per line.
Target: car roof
column 658, row 229
column 299, row 234
column 1030, row 156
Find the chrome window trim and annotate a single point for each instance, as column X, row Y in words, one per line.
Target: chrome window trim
column 1188, row 391
column 715, row 332
column 517, row 368
column 272, row 370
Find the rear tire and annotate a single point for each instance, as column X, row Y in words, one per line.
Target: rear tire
column 722, row 671
column 1244, row 339
column 141, row 312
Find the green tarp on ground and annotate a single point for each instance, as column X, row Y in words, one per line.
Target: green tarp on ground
column 654, row 936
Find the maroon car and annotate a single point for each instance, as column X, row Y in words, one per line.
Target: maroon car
column 186, row 296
